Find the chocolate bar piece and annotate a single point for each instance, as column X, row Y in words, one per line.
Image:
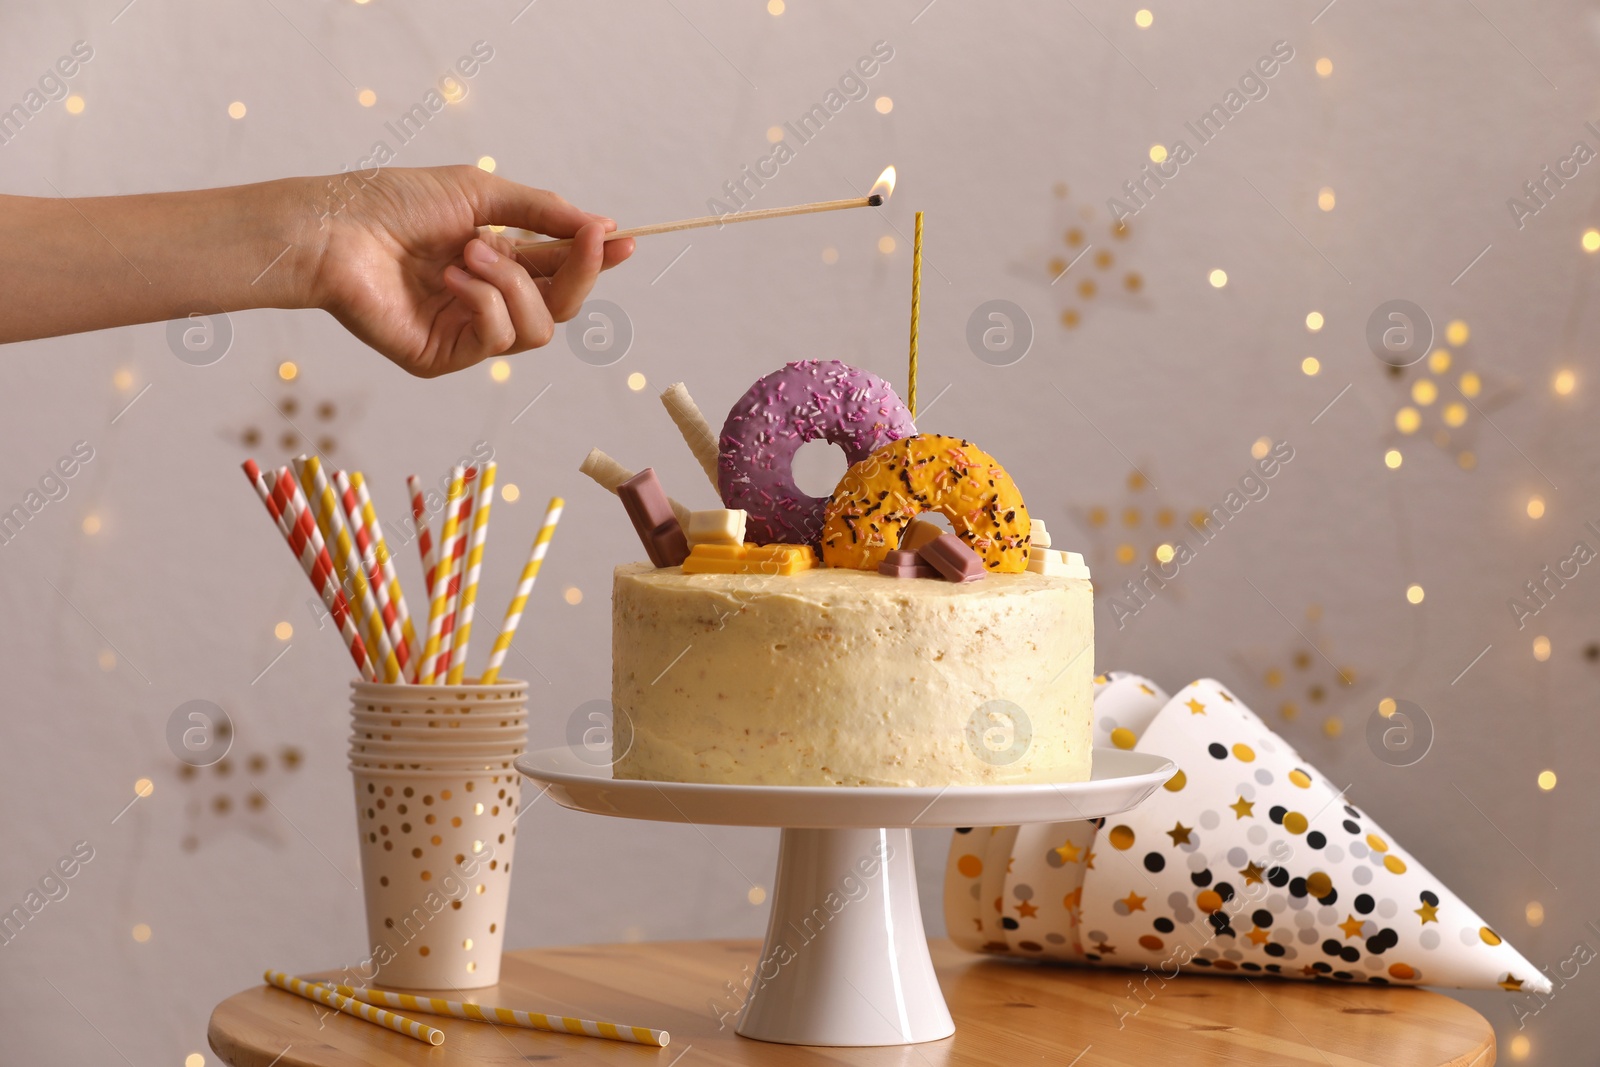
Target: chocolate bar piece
column 952, row 558
column 1038, row 536
column 904, row 563
column 917, row 533
column 719, row 527
column 651, row 514
column 749, row 559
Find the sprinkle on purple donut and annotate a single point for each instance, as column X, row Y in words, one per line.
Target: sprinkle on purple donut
column 808, row 400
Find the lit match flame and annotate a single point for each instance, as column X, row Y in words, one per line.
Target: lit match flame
column 884, row 186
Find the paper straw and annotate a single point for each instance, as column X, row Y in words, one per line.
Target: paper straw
column 367, row 553
column 453, row 553
column 696, row 431
column 330, row 518
column 608, row 474
column 325, row 995
column 369, row 514
column 541, row 544
column 474, row 569
column 419, row 522
column 318, row 567
column 531, row 1020
column 426, row 671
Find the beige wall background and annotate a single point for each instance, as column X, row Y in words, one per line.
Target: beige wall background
column 155, row 580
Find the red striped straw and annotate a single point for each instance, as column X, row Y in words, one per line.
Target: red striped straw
column 367, row 549
column 291, row 498
column 454, row 558
column 419, row 522
column 317, row 566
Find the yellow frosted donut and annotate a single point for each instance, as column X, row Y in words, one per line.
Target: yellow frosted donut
column 926, row 472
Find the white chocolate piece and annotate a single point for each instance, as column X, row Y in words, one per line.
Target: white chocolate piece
column 1038, row 536
column 719, row 527
column 608, row 474
column 1054, row 564
column 917, row 533
column 696, row 431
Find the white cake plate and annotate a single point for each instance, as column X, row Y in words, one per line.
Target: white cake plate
column 846, row 959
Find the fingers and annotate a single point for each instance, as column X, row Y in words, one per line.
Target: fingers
column 505, row 203
column 544, row 264
column 565, row 291
column 491, row 328
column 531, row 320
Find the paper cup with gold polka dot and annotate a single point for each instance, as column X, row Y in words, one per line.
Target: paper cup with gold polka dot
column 437, row 838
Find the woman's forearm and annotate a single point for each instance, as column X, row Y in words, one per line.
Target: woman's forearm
column 99, row 262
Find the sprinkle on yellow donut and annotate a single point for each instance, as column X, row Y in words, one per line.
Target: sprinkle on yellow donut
column 926, row 472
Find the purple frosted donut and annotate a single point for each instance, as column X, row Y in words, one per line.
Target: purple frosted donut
column 807, row 400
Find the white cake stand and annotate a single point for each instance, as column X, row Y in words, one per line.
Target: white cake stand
column 846, row 959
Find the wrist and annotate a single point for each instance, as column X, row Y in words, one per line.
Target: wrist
column 288, row 240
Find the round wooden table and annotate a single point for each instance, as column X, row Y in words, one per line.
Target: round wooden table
column 1006, row 1012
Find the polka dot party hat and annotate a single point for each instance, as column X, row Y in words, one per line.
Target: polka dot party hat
column 1248, row 862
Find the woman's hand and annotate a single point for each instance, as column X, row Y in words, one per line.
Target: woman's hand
column 404, row 266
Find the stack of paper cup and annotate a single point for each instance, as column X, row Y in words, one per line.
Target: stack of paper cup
column 436, row 799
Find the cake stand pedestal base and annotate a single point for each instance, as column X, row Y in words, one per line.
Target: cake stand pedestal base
column 846, row 960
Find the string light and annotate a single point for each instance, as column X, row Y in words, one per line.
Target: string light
column 1547, row 780
column 1457, row 333
column 1439, row 360
column 143, row 787
column 830, row 255
column 572, row 595
column 500, row 370
column 1591, row 240
column 74, row 104
column 283, row 631
column 1260, row 447
column 1164, row 553
column 91, row 524
column 1541, row 648
column 886, row 244
column 1407, row 419
column 1314, row 321
column 1218, row 278
column 1158, row 153
column 774, row 134
column 884, row 105
column 108, row 660
column 1386, row 707
column 774, row 8
column 1520, row 1046
column 1143, row 19
column 1471, row 384
column 1325, row 198
column 195, row 1059
column 141, row 932
column 1332, row 727
column 756, row 895
column 636, row 381
column 1535, row 507
column 1324, row 66
column 486, row 163
column 1534, row 912
column 1414, row 593
column 1455, row 414
column 1125, row 553
column 510, row 493
column 236, row 110
column 1310, row 366
column 1392, row 459
column 366, row 98
column 1565, row 382
column 287, row 370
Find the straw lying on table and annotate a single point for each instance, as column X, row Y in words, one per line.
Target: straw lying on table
column 326, row 996
column 529, row 1020
column 328, row 520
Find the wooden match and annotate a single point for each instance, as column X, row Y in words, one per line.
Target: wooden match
column 873, row 200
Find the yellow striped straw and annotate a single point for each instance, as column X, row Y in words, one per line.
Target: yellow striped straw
column 329, row 512
column 541, row 544
column 531, row 1020
column 474, row 569
column 324, row 994
column 437, row 607
column 391, row 577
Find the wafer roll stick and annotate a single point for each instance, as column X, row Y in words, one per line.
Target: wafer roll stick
column 696, row 431
column 609, row 474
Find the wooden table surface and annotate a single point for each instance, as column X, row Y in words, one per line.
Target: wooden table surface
column 1006, row 1013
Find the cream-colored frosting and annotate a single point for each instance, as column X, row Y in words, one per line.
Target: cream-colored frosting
column 846, row 677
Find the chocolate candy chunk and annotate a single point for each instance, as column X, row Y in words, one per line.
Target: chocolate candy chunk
column 952, row 558
column 903, row 563
column 651, row 514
